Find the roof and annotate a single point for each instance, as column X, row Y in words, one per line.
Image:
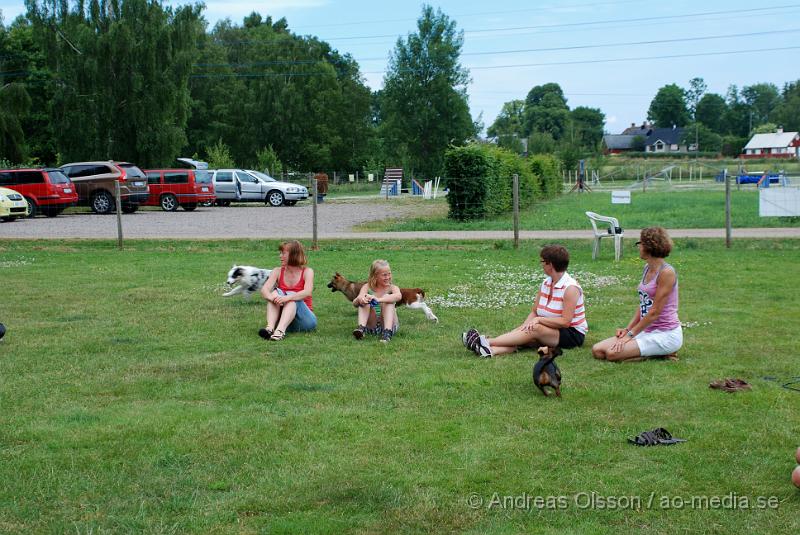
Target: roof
column 670, row 136
column 769, row 141
column 618, row 141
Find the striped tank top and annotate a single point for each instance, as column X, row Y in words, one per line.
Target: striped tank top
column 551, row 302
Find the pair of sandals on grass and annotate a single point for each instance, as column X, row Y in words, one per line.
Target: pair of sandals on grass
column 268, row 334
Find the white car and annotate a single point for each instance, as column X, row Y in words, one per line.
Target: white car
column 12, row 205
column 240, row 185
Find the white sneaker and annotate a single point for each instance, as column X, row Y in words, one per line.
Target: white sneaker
column 482, row 347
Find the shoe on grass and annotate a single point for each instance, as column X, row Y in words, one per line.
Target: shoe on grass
column 358, row 332
column 482, row 347
column 265, row 333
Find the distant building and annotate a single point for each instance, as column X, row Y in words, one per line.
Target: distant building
column 656, row 140
column 778, row 144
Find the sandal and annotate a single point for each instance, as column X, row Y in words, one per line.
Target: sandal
column 265, row 333
column 730, row 385
column 655, row 437
column 277, row 336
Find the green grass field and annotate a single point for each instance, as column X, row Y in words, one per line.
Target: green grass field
column 676, row 208
column 135, row 399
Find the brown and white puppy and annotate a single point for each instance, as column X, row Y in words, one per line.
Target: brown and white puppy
column 545, row 371
column 411, row 297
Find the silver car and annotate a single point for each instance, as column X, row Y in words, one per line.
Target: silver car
column 240, row 185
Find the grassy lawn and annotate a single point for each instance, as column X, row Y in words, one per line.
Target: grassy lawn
column 677, row 208
column 134, row 398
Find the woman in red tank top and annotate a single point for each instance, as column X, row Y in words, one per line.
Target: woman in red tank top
column 290, row 307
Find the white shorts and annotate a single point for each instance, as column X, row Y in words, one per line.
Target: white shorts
column 659, row 342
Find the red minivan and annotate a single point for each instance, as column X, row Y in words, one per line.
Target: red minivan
column 47, row 190
column 170, row 188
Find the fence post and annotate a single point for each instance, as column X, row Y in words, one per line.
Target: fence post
column 119, row 213
column 727, row 209
column 516, row 211
column 314, row 245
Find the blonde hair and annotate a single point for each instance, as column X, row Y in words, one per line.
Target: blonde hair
column 372, row 280
column 297, row 255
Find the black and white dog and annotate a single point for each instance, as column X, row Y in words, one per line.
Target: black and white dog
column 246, row 280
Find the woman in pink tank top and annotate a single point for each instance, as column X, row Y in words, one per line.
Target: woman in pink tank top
column 288, row 294
column 654, row 331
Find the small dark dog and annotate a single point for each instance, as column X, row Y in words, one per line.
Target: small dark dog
column 545, row 371
column 412, row 297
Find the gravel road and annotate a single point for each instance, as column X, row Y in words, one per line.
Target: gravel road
column 335, row 220
column 238, row 221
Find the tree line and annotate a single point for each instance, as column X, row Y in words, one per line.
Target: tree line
column 717, row 123
column 139, row 81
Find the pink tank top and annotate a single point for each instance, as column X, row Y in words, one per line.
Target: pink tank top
column 668, row 319
column 301, row 284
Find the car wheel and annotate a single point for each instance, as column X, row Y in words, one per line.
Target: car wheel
column 102, row 201
column 274, row 198
column 32, row 208
column 169, row 203
column 129, row 208
column 290, row 203
column 189, row 207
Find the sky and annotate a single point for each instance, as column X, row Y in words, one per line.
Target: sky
column 611, row 55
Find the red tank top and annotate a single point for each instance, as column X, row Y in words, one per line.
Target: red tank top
column 301, row 284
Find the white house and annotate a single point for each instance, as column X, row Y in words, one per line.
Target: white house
column 779, row 144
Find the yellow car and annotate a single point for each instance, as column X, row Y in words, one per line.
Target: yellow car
column 12, row 205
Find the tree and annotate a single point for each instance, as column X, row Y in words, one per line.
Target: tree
column 509, row 120
column 697, row 88
column 787, row 113
column 121, row 72
column 707, row 140
column 668, row 107
column 762, row 99
column 638, row 143
column 736, row 119
column 587, row 125
column 546, row 110
column 424, row 100
column 710, row 110
column 15, row 102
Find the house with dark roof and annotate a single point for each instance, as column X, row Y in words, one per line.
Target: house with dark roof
column 656, row 140
column 778, row 144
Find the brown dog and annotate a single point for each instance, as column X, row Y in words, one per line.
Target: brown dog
column 545, row 371
column 412, row 297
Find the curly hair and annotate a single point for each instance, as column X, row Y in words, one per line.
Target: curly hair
column 656, row 242
column 557, row 256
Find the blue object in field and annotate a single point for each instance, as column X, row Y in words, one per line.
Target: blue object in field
column 752, row 178
column 416, row 188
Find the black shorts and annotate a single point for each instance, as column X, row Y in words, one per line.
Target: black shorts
column 570, row 337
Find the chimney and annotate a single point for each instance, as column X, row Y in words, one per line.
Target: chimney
column 780, row 129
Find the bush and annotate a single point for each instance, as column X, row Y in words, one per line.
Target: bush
column 546, row 169
column 480, row 181
column 219, row 156
column 269, row 162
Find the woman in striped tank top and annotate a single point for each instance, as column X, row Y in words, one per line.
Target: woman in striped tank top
column 557, row 319
column 654, row 331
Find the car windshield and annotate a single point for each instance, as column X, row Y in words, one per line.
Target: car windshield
column 202, row 177
column 132, row 171
column 57, row 177
column 262, row 176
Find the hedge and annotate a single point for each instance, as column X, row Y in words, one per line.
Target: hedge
column 480, row 180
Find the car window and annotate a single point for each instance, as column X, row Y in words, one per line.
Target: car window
column 29, row 177
column 7, row 179
column 131, row 170
column 244, row 177
column 202, row 177
column 263, row 176
column 57, row 177
column 223, row 176
column 153, row 178
column 176, row 177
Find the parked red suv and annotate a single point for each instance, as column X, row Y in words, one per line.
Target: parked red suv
column 170, row 188
column 47, row 190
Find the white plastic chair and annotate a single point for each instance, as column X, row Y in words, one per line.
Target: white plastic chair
column 613, row 231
